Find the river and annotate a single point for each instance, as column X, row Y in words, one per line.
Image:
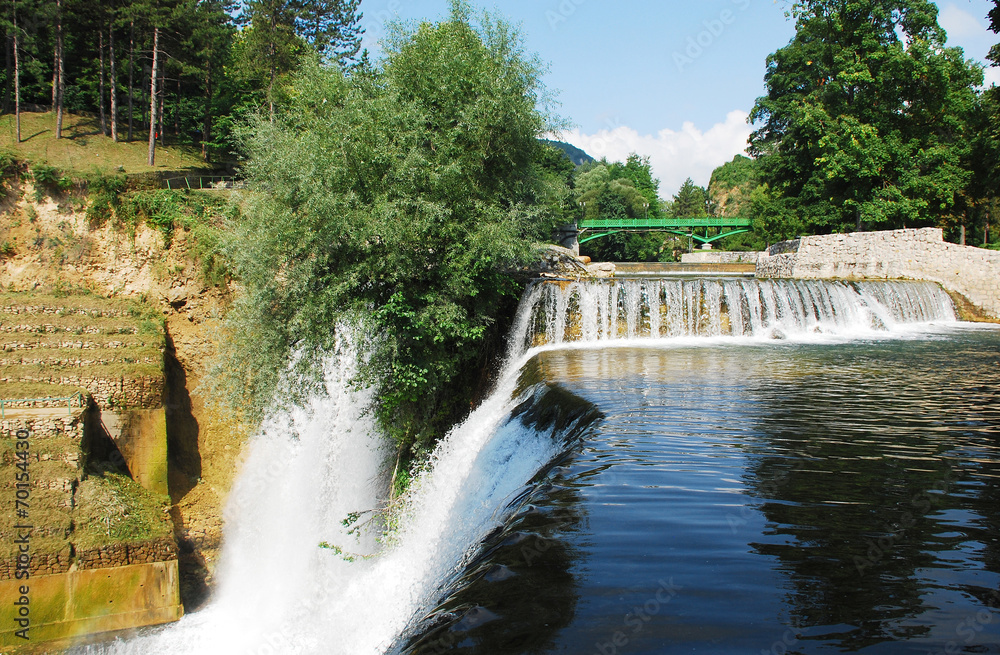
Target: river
column 668, row 466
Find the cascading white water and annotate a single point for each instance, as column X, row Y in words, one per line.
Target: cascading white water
column 561, row 312
column 306, row 471
column 310, row 467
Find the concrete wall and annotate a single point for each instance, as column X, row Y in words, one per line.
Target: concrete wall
column 919, row 254
column 78, row 603
column 141, row 438
column 719, row 257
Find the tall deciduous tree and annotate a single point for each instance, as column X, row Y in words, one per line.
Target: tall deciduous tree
column 404, row 194
column 864, row 117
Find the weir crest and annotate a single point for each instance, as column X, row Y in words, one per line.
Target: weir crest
column 553, row 313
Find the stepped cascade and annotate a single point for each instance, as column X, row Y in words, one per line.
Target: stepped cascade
column 537, row 456
column 562, row 312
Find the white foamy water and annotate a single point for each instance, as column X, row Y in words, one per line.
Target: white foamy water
column 310, row 467
column 555, row 313
column 280, row 592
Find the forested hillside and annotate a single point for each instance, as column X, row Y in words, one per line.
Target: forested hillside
column 189, row 68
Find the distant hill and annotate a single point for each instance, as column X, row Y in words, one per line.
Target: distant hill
column 574, row 154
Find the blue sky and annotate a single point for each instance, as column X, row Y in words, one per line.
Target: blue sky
column 673, row 80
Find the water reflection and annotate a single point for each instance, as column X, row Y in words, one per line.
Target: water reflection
column 881, row 499
column 795, row 498
column 520, row 591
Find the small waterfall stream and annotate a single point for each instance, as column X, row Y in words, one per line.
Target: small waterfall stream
column 310, row 467
column 554, row 313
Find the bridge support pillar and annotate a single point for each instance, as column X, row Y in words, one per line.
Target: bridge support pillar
column 568, row 236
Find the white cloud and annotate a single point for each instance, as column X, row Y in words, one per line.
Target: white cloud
column 991, row 76
column 674, row 156
column 960, row 24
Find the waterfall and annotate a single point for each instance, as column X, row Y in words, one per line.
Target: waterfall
column 311, row 467
column 606, row 310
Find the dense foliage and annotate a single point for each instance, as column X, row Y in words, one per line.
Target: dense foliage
column 406, row 193
column 620, row 190
column 867, row 120
column 214, row 60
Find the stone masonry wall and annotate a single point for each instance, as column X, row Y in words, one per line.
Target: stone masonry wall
column 144, row 392
column 918, row 254
column 719, row 257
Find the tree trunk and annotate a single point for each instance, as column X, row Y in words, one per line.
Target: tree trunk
column 9, row 56
column 177, row 113
column 100, row 84
column 55, row 76
column 152, row 97
column 206, row 126
column 17, row 80
column 114, row 84
column 160, row 100
column 272, row 51
column 962, row 240
column 131, row 86
column 60, row 71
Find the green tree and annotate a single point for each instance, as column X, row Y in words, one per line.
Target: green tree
column 691, row 201
column 620, row 190
column 332, row 27
column 865, row 118
column 406, row 194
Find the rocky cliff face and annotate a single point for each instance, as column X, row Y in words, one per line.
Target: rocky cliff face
column 47, row 244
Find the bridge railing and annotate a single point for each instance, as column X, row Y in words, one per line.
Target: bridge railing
column 78, row 397
column 204, row 182
column 663, row 223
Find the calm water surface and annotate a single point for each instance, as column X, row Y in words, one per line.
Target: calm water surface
column 779, row 498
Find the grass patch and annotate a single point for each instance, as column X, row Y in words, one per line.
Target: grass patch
column 14, row 390
column 129, row 356
column 84, row 150
column 76, row 301
column 113, row 508
column 48, row 374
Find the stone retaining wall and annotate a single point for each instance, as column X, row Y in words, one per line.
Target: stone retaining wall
column 143, row 392
column 143, row 552
column 71, row 425
column 14, row 346
column 719, row 257
column 918, row 254
column 105, row 557
column 49, row 328
column 35, row 310
column 41, row 564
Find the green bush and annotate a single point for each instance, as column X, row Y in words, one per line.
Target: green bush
column 50, row 178
column 407, row 196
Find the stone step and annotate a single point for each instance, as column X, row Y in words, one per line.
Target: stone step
column 63, row 343
column 49, row 310
column 51, row 328
column 77, row 362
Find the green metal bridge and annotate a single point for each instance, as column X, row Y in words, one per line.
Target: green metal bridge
column 595, row 228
